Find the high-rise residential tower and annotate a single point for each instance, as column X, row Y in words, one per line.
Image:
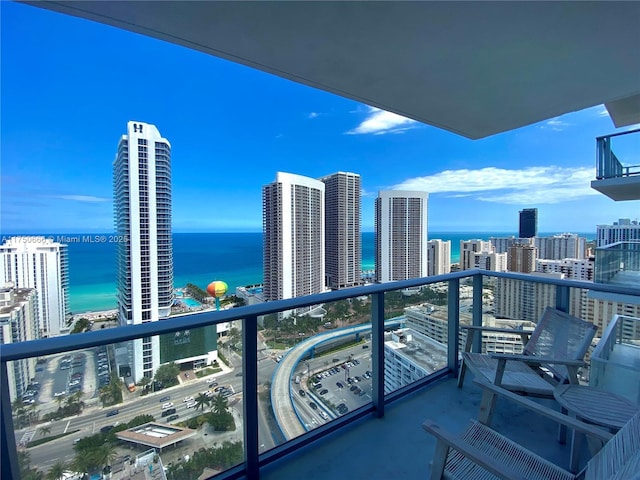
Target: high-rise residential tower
column 528, row 223
column 468, row 249
column 565, row 245
column 142, row 204
column 439, row 257
column 18, row 323
column 294, row 240
column 343, row 243
column 522, row 258
column 401, row 235
column 40, row 263
column 624, row 230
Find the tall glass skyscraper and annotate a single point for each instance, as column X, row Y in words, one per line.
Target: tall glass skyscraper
column 343, row 242
column 528, row 223
column 142, row 214
column 401, row 235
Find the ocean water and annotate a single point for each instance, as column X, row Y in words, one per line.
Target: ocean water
column 201, row 258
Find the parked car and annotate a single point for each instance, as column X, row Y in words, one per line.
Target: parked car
column 113, row 412
column 188, row 399
column 172, row 418
column 165, row 398
column 301, row 392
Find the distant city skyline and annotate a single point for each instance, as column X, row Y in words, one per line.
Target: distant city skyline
column 232, row 128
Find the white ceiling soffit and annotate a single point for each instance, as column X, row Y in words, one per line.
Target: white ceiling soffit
column 473, row 68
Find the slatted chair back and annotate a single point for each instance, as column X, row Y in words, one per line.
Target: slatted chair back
column 619, row 459
column 562, row 336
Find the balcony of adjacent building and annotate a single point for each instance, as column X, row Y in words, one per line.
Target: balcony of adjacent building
column 389, row 382
column 618, row 175
column 617, row 264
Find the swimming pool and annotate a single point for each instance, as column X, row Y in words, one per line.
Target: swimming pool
column 190, row 302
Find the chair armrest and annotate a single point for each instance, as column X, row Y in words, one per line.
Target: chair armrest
column 537, row 360
column 472, row 453
column 536, row 407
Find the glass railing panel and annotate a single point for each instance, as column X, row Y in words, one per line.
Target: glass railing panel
column 83, row 412
column 618, row 264
column 308, row 364
column 415, row 341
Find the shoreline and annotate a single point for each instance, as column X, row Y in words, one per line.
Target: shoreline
column 96, row 314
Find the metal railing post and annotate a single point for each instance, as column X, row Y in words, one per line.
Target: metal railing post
column 377, row 353
column 250, row 395
column 8, row 451
column 562, row 298
column 476, row 313
column 453, row 305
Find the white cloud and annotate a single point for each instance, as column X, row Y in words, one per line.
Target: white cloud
column 313, row 115
column 555, row 124
column 83, row 198
column 380, row 122
column 531, row 185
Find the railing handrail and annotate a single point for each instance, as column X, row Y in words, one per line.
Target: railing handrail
column 616, row 244
column 618, row 134
column 53, row 345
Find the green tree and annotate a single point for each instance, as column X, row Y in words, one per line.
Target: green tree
column 202, row 401
column 45, row 431
column 81, row 325
column 57, row 471
column 219, row 404
column 167, row 374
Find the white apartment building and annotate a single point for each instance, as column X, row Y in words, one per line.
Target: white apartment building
column 432, row 321
column 142, row 214
column 564, row 245
column 410, row 356
column 18, row 323
column 401, row 235
column 522, row 300
column 294, row 240
column 496, row 262
column 40, row 263
column 624, row 230
column 468, row 249
column 342, row 221
column 571, row 268
column 439, row 257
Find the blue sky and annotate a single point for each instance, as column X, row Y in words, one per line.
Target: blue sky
column 69, row 86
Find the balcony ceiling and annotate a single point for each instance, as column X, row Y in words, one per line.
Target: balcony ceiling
column 473, row 68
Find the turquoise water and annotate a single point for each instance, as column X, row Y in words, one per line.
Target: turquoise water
column 190, row 302
column 201, row 258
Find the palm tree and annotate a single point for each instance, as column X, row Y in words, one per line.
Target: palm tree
column 45, row 431
column 202, row 401
column 220, row 404
column 57, row 471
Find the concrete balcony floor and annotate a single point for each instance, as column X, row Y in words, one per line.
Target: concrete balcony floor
column 396, row 447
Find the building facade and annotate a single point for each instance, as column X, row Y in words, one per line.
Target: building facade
column 343, row 241
column 142, row 214
column 439, row 257
column 624, row 230
column 40, row 263
column 468, row 249
column 18, row 323
column 522, row 258
column 401, row 235
column 571, row 268
column 294, row 239
column 565, row 245
column 496, row 262
column 528, row 223
column 502, row 244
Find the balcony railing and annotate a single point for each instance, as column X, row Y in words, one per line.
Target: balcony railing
column 608, row 165
column 296, row 425
column 618, row 264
